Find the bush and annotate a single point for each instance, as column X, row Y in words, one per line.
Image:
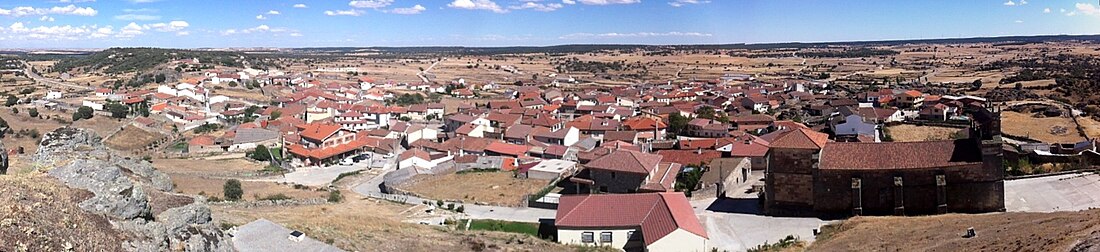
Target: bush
column 15, row 111
column 12, row 100
column 334, row 196
column 460, row 209
column 84, row 112
column 233, row 190
column 33, row 112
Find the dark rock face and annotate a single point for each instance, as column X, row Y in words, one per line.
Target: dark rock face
column 122, row 189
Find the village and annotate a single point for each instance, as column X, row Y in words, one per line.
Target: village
column 729, row 159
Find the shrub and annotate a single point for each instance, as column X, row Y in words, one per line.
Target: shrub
column 274, row 197
column 233, row 190
column 460, row 209
column 33, row 112
column 334, row 196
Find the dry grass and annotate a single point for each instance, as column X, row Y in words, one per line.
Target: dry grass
column 41, row 214
column 498, row 188
column 1020, row 124
column 372, row 225
column 1091, row 126
column 195, row 176
column 1059, row 231
column 101, row 125
column 914, row 133
column 132, row 138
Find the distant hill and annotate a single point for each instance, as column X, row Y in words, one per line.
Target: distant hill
column 120, row 60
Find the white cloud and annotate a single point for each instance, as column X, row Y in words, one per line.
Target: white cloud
column 607, row 2
column 295, row 34
column 373, row 4
column 137, row 17
column 183, row 33
column 259, row 29
column 537, row 6
column 488, row 5
column 129, row 31
column 568, row 2
column 260, row 17
column 417, row 9
column 678, row 3
column 143, row 1
column 635, row 35
column 1072, row 13
column 1019, row 21
column 174, row 26
column 1047, row 10
column 1087, row 9
column 273, row 12
column 1010, row 3
column 301, row 6
column 76, row 1
column 56, row 10
column 46, row 19
column 1023, row 2
column 344, row 12
column 1062, row 10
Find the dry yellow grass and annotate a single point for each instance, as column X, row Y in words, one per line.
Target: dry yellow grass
column 1025, row 125
column 1059, row 231
column 132, row 138
column 371, row 225
column 914, row 133
column 498, row 188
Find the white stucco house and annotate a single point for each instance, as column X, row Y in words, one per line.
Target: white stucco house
column 632, row 222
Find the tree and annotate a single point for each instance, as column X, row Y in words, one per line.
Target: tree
column 118, row 110
column 159, row 78
column 33, row 112
column 232, row 190
column 233, row 84
column 14, row 110
column 677, row 123
column 84, row 112
column 705, row 112
column 276, row 114
column 260, row 153
column 12, row 100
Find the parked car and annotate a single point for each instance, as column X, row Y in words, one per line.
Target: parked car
column 347, row 161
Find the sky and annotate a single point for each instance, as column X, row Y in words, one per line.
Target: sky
column 321, row 23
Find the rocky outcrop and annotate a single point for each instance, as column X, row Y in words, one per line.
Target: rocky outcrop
column 119, row 186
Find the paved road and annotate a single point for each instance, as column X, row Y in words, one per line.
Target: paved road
column 49, row 82
column 737, row 223
column 1070, row 192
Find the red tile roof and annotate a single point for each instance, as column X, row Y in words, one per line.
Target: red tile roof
column 899, row 155
column 655, row 214
column 689, row 157
column 317, row 131
column 507, row 149
column 799, row 138
column 626, row 161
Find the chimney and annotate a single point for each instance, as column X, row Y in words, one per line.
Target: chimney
column 698, row 151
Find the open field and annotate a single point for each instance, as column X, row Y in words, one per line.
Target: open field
column 195, row 176
column 1025, row 125
column 371, row 225
column 1059, row 231
column 101, row 125
column 503, row 226
column 132, row 138
column 490, row 187
column 914, row 133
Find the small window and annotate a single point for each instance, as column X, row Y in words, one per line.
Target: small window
column 612, row 174
column 586, row 237
column 605, row 237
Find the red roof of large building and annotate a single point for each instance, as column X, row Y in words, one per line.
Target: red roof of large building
column 655, row 214
column 899, row 155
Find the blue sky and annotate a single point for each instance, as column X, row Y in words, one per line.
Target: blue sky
column 302, row 23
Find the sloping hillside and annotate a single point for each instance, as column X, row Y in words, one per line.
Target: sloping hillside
column 1061, row 231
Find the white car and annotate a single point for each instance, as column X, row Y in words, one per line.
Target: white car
column 347, row 161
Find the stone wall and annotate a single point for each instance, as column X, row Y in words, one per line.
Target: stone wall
column 616, row 182
column 789, row 178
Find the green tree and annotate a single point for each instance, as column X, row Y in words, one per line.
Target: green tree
column 159, row 78
column 14, row 110
column 33, row 112
column 677, row 123
column 233, row 84
column 276, row 114
column 118, row 110
column 12, row 100
column 232, row 190
column 84, row 112
column 260, row 153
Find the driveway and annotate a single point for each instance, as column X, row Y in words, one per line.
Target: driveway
column 320, row 176
column 1069, row 192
